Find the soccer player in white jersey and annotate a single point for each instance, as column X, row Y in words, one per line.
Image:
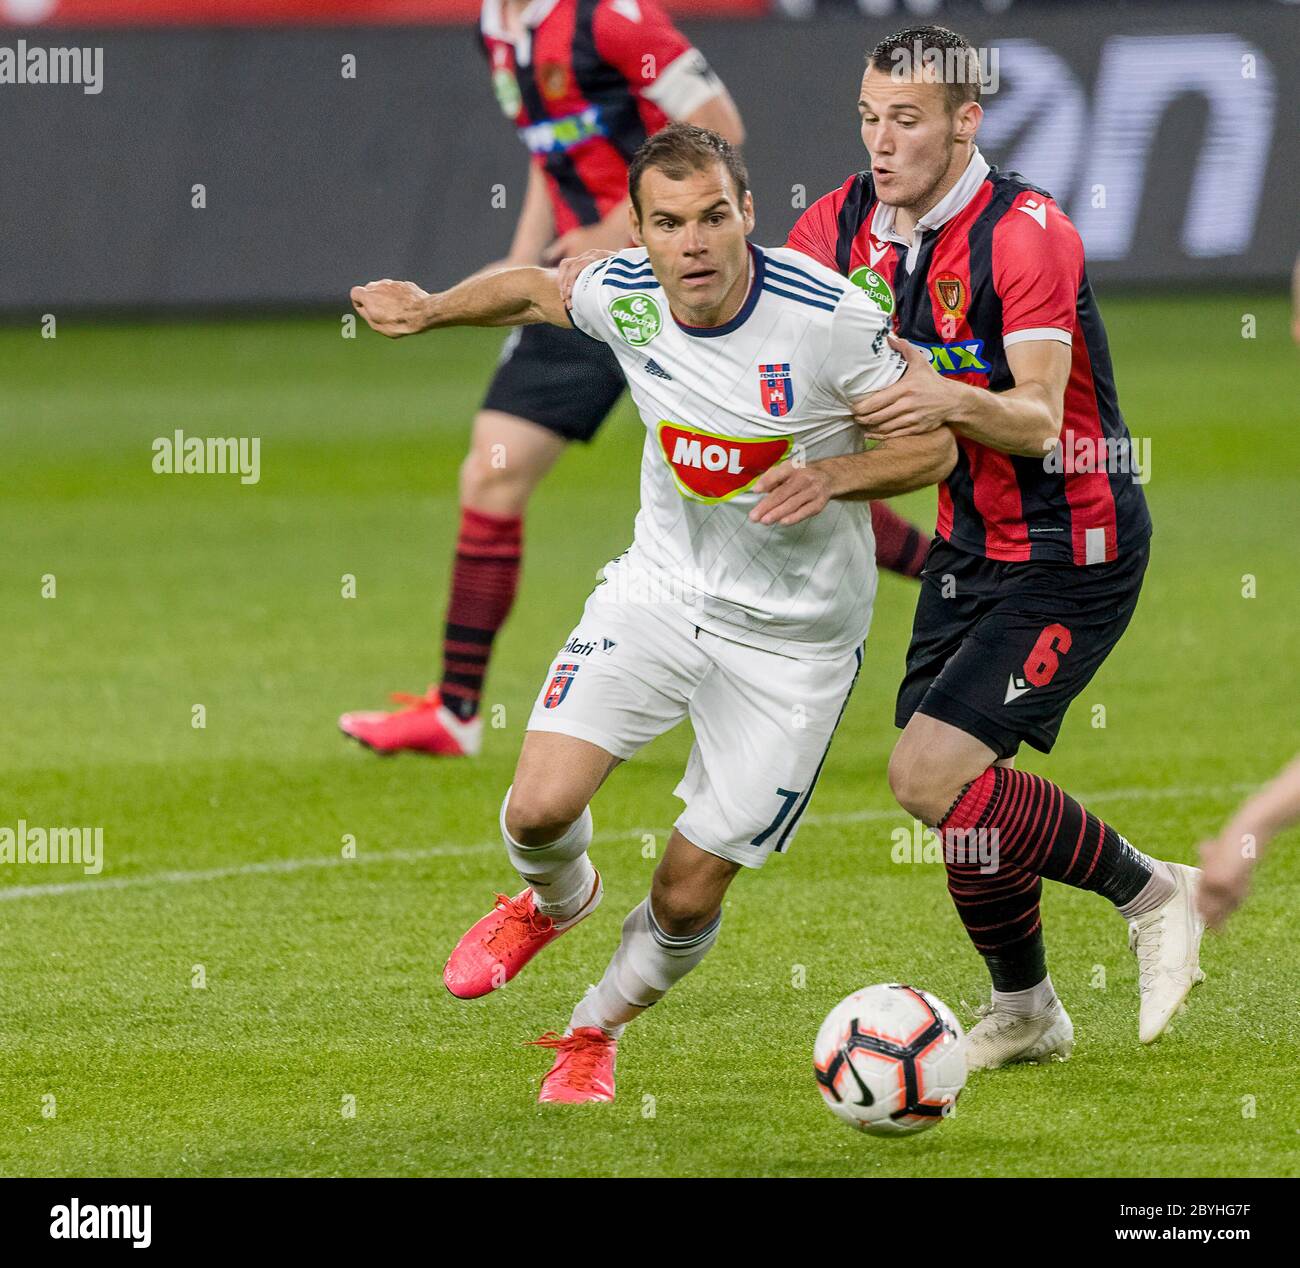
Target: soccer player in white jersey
column 746, row 594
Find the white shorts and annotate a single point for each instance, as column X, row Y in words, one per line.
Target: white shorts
column 763, row 722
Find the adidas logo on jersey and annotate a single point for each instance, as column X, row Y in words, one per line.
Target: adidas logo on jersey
column 653, row 367
column 712, row 468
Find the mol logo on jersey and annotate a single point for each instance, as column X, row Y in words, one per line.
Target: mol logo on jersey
column 712, row 468
column 957, row 358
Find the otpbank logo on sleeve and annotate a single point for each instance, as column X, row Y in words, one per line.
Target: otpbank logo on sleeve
column 711, row 468
column 637, row 318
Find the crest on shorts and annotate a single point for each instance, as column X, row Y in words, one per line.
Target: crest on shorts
column 560, row 683
column 776, row 388
column 951, row 293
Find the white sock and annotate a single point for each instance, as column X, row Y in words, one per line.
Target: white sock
column 560, row 873
column 646, row 965
column 1157, row 890
column 1036, row 999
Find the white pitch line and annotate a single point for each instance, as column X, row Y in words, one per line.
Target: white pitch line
column 276, row 867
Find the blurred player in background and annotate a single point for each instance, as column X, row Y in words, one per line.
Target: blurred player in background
column 1230, row 858
column 585, row 82
column 1039, row 558
column 743, row 600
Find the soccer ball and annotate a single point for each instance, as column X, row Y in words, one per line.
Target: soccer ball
column 890, row 1060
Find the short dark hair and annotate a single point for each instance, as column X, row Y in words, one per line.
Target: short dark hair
column 680, row 149
column 936, row 42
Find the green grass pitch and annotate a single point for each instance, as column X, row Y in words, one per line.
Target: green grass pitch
column 224, row 845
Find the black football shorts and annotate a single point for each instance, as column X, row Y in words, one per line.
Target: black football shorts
column 562, row 380
column 1000, row 650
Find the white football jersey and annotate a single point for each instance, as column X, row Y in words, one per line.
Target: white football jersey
column 723, row 404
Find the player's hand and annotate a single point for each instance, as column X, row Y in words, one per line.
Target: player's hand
column 918, row 403
column 392, row 308
column 573, row 265
column 1225, row 880
column 795, row 492
column 605, row 236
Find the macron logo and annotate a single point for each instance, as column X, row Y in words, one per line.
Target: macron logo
column 97, row 1221
column 1016, row 687
column 877, row 251
column 630, row 9
column 1035, row 210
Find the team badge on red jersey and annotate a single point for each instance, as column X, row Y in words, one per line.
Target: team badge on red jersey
column 778, row 391
column 951, row 293
column 559, row 688
column 553, row 78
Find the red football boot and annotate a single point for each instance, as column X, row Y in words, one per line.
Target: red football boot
column 425, row 725
column 583, row 1072
column 499, row 945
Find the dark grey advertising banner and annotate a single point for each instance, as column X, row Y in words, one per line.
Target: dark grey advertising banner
column 263, row 168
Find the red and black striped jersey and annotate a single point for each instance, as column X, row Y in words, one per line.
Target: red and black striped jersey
column 999, row 263
column 585, row 83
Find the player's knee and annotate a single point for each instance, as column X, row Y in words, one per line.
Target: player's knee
column 491, row 486
column 919, row 784
column 681, row 909
column 536, row 817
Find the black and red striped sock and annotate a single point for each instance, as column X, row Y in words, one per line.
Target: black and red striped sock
column 1003, row 919
column 900, row 546
column 1007, row 829
column 485, row 576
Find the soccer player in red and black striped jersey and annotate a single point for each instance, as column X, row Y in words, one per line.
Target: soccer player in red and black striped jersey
column 584, row 82
column 1042, row 535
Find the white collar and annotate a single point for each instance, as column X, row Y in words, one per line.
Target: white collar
column 492, row 23
column 967, row 186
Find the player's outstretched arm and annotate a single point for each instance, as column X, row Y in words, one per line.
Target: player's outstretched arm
column 513, row 297
column 796, row 492
column 1227, row 861
column 1025, row 419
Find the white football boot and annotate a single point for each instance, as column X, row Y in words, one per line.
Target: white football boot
column 1167, row 943
column 1001, row 1038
